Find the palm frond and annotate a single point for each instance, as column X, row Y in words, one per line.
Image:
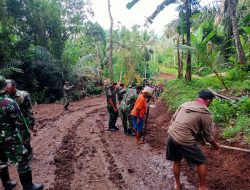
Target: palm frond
column 131, row 4
column 159, row 8
column 9, row 71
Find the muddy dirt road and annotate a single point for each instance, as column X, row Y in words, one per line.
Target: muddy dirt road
column 74, row 151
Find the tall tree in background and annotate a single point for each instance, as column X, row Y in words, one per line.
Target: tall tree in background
column 160, row 8
column 230, row 7
column 188, row 74
column 232, row 4
column 110, row 63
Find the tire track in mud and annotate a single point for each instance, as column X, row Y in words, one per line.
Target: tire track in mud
column 42, row 123
column 64, row 159
column 115, row 176
column 67, row 154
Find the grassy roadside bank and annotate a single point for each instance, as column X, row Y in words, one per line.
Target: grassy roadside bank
column 232, row 116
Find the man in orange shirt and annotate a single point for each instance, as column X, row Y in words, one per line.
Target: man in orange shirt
column 139, row 111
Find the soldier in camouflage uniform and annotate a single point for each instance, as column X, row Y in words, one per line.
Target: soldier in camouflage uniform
column 11, row 145
column 120, row 95
column 126, row 107
column 23, row 100
column 67, row 94
column 111, row 106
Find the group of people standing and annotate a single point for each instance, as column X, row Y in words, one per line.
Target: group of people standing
column 131, row 105
column 16, row 120
column 191, row 122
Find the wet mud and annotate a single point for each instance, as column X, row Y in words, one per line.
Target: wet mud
column 74, row 151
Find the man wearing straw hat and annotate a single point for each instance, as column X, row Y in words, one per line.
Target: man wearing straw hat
column 139, row 111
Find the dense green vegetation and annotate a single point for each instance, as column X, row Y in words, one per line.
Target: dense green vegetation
column 233, row 115
column 46, row 42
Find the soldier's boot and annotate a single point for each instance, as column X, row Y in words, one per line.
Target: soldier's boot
column 130, row 132
column 5, row 178
column 125, row 130
column 26, row 181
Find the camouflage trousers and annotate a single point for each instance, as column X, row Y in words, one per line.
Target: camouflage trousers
column 11, row 148
column 66, row 101
column 113, row 116
column 25, row 134
column 126, row 119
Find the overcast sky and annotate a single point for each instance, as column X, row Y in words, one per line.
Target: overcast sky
column 137, row 15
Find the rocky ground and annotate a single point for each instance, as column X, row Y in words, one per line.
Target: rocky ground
column 74, row 151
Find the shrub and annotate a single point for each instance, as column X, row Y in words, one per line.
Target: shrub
column 78, row 94
column 92, row 89
column 222, row 111
column 242, row 125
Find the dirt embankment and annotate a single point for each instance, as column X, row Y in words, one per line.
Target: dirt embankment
column 74, row 151
column 226, row 169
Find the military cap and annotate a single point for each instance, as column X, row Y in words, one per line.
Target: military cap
column 113, row 83
column 3, row 84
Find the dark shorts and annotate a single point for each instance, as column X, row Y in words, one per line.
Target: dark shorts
column 192, row 154
column 137, row 126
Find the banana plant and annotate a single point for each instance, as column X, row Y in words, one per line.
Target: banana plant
column 206, row 55
column 201, row 45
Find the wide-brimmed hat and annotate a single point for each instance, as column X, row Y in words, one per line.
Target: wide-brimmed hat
column 148, row 90
column 3, row 85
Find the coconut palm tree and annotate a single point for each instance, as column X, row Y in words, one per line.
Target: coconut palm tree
column 161, row 7
column 110, row 43
column 229, row 6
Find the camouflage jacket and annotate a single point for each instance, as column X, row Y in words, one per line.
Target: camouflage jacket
column 111, row 94
column 67, row 90
column 23, row 100
column 128, row 100
column 120, row 93
column 10, row 118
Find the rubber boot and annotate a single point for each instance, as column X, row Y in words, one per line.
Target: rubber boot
column 130, row 133
column 26, row 181
column 5, row 178
column 125, row 130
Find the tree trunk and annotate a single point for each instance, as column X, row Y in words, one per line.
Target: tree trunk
column 179, row 61
column 174, row 57
column 221, row 79
column 110, row 43
column 99, row 70
column 182, row 55
column 188, row 15
column 121, row 73
column 232, row 12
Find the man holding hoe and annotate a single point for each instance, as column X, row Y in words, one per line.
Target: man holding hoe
column 139, row 111
column 190, row 122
